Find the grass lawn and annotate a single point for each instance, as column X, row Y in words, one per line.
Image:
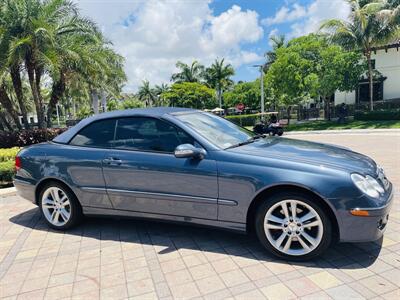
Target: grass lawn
column 327, row 125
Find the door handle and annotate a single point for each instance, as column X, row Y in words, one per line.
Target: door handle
column 112, row 161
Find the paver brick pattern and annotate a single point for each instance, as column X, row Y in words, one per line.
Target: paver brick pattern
column 119, row 259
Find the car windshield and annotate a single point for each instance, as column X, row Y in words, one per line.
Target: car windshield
column 217, row 130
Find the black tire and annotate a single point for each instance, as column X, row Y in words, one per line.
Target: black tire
column 76, row 214
column 311, row 201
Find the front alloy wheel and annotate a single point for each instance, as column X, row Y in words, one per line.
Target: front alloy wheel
column 293, row 226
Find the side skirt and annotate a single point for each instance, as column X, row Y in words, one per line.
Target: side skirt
column 231, row 226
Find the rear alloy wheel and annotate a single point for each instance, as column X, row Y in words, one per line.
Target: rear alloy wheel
column 293, row 227
column 59, row 206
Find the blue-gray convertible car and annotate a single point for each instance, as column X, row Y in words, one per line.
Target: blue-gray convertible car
column 186, row 165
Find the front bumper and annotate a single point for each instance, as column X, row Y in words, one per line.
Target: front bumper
column 25, row 189
column 366, row 229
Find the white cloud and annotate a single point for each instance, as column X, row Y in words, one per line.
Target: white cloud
column 153, row 35
column 286, row 14
column 307, row 19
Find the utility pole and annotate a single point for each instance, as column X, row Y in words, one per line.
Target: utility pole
column 262, row 88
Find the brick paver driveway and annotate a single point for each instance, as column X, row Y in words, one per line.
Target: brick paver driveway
column 117, row 259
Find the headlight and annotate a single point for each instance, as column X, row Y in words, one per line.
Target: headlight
column 367, row 185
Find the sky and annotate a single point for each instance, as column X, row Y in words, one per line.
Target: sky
column 153, row 35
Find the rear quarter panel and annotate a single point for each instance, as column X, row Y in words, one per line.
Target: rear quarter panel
column 78, row 167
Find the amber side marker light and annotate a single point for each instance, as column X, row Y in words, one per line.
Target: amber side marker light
column 359, row 213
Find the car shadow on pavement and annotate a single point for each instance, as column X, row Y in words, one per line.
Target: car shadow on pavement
column 167, row 238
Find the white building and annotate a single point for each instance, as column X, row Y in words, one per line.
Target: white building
column 386, row 60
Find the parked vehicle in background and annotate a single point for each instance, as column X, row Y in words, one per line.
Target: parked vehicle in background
column 271, row 127
column 185, row 165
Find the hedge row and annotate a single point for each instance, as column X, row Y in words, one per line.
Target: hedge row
column 7, row 171
column 244, row 120
column 377, row 115
column 27, row 137
column 8, row 154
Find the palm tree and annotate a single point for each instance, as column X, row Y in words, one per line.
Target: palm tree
column 50, row 38
column 218, row 77
column 146, row 93
column 370, row 24
column 192, row 73
column 277, row 42
column 159, row 90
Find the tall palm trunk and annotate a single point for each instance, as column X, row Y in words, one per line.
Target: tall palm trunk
column 6, row 102
column 17, row 83
column 4, row 124
column 38, row 76
column 219, row 95
column 33, row 84
column 370, row 80
column 95, row 101
column 57, row 92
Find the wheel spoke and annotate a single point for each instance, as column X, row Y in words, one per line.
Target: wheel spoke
column 293, row 207
column 275, row 219
column 54, row 195
column 310, row 215
column 48, row 206
column 287, row 244
column 66, row 203
column 48, row 201
column 309, row 238
column 312, row 224
column 63, row 199
column 64, row 214
column 285, row 210
column 279, row 241
column 302, row 243
column 272, row 226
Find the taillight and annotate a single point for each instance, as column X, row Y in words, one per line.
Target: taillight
column 18, row 164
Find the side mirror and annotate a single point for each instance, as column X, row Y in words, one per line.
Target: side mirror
column 189, row 151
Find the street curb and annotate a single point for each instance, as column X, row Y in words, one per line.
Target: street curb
column 8, row 192
column 344, row 131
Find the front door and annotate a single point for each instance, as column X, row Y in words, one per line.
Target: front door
column 142, row 174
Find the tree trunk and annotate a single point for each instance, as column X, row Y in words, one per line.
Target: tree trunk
column 4, row 123
column 32, row 82
column 327, row 108
column 17, row 84
column 288, row 111
column 38, row 76
column 8, row 105
column 103, row 100
column 219, row 95
column 95, row 101
column 370, row 81
column 57, row 92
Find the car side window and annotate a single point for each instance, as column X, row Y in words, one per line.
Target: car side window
column 149, row 134
column 97, row 134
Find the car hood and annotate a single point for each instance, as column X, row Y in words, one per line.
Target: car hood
column 310, row 153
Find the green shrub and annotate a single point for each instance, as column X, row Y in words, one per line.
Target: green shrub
column 244, row 120
column 393, row 114
column 8, row 154
column 28, row 137
column 7, row 171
